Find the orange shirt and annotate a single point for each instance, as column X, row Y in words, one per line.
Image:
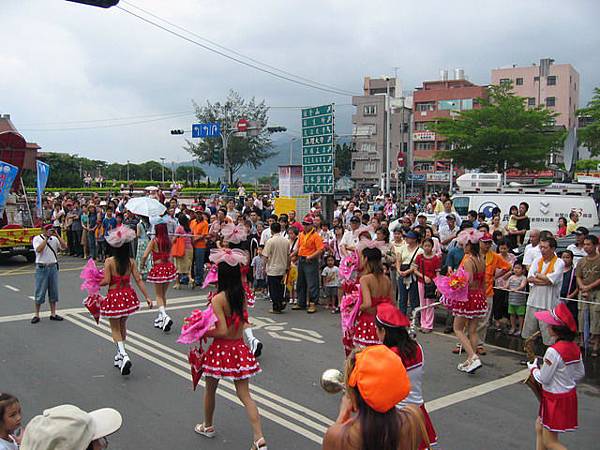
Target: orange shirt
column 493, row 262
column 309, row 243
column 197, row 229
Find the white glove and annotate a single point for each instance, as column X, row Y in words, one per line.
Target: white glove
column 533, row 364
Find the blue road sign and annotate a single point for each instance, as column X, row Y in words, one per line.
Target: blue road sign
column 206, row 130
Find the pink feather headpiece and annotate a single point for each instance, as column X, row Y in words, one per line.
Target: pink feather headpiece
column 119, row 236
column 368, row 243
column 233, row 257
column 470, row 235
column 234, row 233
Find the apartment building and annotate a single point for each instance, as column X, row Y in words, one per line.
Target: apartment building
column 432, row 101
column 382, row 109
column 555, row 86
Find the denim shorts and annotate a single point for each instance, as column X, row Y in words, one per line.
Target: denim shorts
column 46, row 280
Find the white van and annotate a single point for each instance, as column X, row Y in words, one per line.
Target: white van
column 545, row 206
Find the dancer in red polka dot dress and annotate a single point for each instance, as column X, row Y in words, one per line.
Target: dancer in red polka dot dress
column 163, row 271
column 121, row 300
column 228, row 357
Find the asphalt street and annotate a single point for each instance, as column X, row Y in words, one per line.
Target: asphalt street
column 71, row 362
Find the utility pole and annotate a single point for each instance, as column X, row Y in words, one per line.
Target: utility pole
column 292, row 148
column 388, row 127
column 162, row 159
column 127, row 171
column 151, row 175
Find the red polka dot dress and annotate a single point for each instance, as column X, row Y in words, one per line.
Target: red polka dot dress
column 365, row 333
column 121, row 301
column 163, row 270
column 230, row 358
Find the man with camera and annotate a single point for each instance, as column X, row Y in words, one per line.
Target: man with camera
column 47, row 246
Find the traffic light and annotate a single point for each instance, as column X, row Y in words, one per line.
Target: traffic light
column 276, row 129
column 100, row 3
column 177, row 131
column 217, row 156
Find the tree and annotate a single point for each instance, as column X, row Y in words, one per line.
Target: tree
column 184, row 173
column 251, row 150
column 271, row 180
column 590, row 133
column 343, row 159
column 502, row 133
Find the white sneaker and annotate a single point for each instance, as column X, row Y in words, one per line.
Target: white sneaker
column 256, row 347
column 463, row 366
column 117, row 360
column 475, row 364
column 158, row 322
column 126, row 365
column 167, row 323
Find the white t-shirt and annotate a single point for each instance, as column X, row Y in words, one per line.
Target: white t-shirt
column 46, row 256
column 265, row 236
column 350, row 239
column 8, row 445
column 332, row 278
column 546, row 297
column 531, row 253
column 578, row 253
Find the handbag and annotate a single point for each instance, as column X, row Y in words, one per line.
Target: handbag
column 178, row 248
column 430, row 288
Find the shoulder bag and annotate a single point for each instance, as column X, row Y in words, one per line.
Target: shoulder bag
column 430, row 288
column 51, row 249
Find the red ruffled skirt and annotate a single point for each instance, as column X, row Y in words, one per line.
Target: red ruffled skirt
column 163, row 272
column 558, row 412
column 120, row 302
column 431, row 434
column 230, row 359
column 473, row 308
column 365, row 332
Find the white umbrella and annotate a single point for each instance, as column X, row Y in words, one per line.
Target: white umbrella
column 145, row 206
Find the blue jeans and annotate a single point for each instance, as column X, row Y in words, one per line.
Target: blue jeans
column 308, row 281
column 92, row 251
column 406, row 295
column 46, row 280
column 199, row 255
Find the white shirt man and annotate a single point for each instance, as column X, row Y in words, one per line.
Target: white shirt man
column 577, row 248
column 545, row 279
column 532, row 250
column 350, row 237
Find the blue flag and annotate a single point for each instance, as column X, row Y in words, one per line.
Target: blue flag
column 8, row 173
column 43, row 172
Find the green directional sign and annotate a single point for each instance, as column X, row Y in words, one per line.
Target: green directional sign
column 318, row 159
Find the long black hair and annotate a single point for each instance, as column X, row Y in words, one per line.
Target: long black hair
column 122, row 258
column 564, row 333
column 398, row 337
column 230, row 282
column 373, row 263
column 184, row 222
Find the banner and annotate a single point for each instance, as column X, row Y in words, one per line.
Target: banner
column 43, row 172
column 8, row 173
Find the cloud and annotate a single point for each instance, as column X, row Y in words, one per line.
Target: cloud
column 64, row 62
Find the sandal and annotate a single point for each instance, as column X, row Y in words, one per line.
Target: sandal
column 260, row 444
column 208, row 432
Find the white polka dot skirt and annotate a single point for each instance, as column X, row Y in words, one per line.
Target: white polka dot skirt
column 230, row 359
column 120, row 302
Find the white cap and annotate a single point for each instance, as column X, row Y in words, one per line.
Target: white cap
column 66, row 427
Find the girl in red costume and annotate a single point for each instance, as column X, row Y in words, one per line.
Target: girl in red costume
column 228, row 357
column 163, row 271
column 121, row 300
column 559, row 374
column 391, row 326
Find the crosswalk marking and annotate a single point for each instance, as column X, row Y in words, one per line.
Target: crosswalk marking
column 12, row 288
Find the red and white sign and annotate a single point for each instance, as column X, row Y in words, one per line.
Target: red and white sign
column 425, row 135
column 242, row 125
column 400, row 159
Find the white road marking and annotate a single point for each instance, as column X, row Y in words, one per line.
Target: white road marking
column 476, row 391
column 262, row 396
column 31, row 297
column 12, row 288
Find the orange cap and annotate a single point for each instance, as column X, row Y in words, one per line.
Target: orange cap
column 380, row 377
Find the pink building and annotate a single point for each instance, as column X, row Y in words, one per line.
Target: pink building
column 555, row 86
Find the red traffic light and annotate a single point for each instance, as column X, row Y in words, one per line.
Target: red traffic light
column 242, row 125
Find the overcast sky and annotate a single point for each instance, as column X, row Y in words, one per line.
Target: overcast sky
column 65, row 65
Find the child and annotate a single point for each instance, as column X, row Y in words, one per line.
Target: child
column 331, row 282
column 260, row 273
column 558, row 376
column 512, row 218
column 517, row 301
column 10, row 422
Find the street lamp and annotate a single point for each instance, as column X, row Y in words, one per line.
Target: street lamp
column 162, row 159
column 128, row 171
column 294, row 139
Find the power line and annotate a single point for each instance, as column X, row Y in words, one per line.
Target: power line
column 239, row 61
column 111, row 119
column 216, row 44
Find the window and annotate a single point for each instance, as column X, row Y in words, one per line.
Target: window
column 421, row 126
column 536, row 79
column 531, row 101
column 370, row 167
column 405, row 147
column 467, row 103
column 443, row 146
column 370, row 110
column 550, row 101
column 353, row 165
column 519, row 81
column 424, row 146
column 461, row 204
column 368, row 147
column 505, row 80
column 423, row 167
column 449, row 105
column 426, row 106
column 551, row 80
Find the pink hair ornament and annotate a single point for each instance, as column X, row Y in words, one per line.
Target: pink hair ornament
column 234, row 233
column 233, row 257
column 471, row 236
